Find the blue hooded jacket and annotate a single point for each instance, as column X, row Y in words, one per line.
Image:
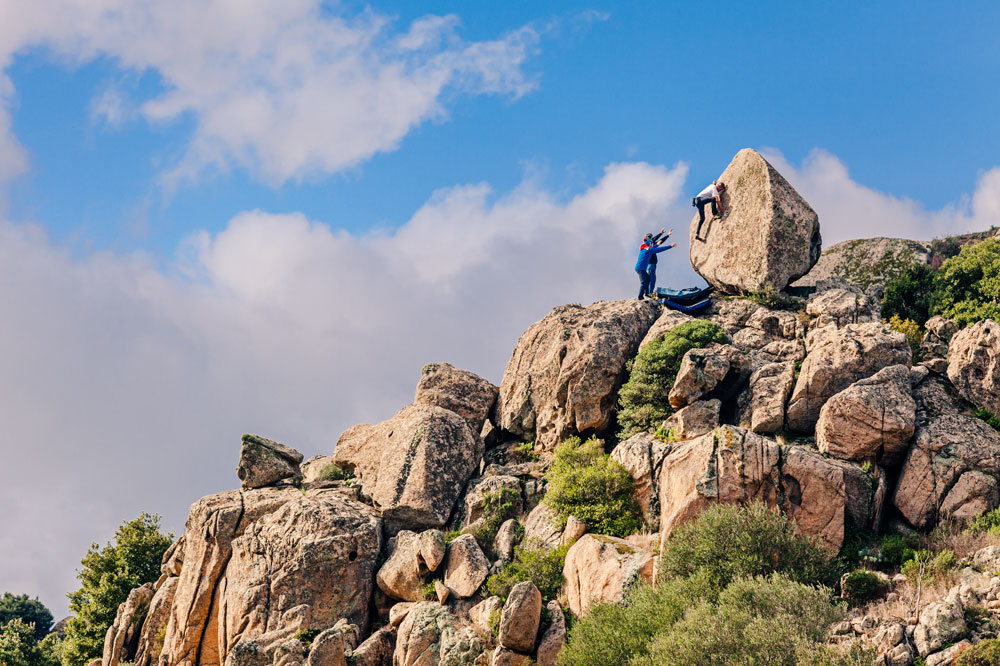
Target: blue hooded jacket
column 647, row 253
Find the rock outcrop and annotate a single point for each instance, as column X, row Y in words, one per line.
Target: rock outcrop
column 762, row 403
column 264, row 462
column 695, row 420
column 554, row 637
column 411, row 557
column 431, row 634
column 868, row 263
column 465, row 566
column 768, row 237
column 974, row 364
column 564, row 374
column 414, row 465
column 872, row 419
column 642, row 455
column 121, row 643
column 467, row 394
column 735, row 466
column 600, row 569
column 838, row 357
column 519, row 618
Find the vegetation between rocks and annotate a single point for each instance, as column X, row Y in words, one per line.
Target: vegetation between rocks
column 542, row 566
column 333, row 472
column 984, row 653
column 642, row 401
column 585, row 482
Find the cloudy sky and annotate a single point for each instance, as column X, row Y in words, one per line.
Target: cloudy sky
column 220, row 217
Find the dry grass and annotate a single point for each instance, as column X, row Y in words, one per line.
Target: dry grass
column 962, row 543
column 909, row 599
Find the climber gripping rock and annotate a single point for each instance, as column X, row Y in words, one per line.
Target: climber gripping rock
column 710, row 195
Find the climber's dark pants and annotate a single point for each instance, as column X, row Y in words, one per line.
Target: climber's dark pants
column 700, row 203
column 651, row 272
column 643, row 283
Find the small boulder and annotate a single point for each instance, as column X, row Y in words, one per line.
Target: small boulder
column 520, row 617
column 504, row 657
column 542, row 527
column 431, row 634
column 941, row 622
column 700, row 372
column 768, row 237
column 402, row 575
column 565, row 372
column 264, row 462
column 974, row 364
column 467, row 394
column 312, row 469
column 505, row 540
column 871, row 419
column 838, row 357
column 487, row 609
column 465, row 566
column 841, row 307
column 762, row 403
column 432, row 548
column 938, row 335
column 554, row 637
column 376, row 650
column 575, row 528
column 482, row 495
column 600, row 569
column 694, row 420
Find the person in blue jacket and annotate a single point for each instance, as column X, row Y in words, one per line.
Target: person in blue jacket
column 654, row 239
column 646, row 252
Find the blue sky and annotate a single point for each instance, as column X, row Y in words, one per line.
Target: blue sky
column 220, row 217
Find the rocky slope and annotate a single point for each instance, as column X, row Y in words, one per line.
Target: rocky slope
column 818, row 411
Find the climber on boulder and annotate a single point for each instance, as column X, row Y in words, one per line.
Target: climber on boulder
column 646, row 252
column 711, row 194
column 654, row 239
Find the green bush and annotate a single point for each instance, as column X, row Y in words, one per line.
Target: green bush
column 542, row 566
column 769, row 297
column 333, row 472
column 824, row 655
column 107, row 576
column 988, row 521
column 614, row 634
column 755, row 622
column 861, row 586
column 934, row 567
column 522, row 453
column 967, row 286
column 731, row 541
column 30, row 611
column 585, row 482
column 642, row 401
column 990, row 418
column 983, row 653
column 18, row 646
column 498, row 506
column 897, row 549
column 911, row 329
column 909, row 295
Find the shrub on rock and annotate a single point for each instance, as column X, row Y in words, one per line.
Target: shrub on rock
column 908, row 296
column 585, row 482
column 642, row 401
column 532, row 562
column 984, row 653
column 967, row 287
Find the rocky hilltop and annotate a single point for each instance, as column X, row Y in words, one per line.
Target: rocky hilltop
column 376, row 554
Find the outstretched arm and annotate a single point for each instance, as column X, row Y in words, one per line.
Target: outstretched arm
column 663, row 247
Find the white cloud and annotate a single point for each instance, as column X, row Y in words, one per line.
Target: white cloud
column 848, row 209
column 125, row 386
column 284, row 89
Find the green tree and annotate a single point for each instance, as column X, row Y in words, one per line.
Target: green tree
column 642, row 401
column 31, row 611
column 107, row 576
column 18, row 646
column 967, row 286
column 909, row 295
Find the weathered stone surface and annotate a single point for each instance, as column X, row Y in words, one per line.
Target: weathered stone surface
column 424, row 456
column 667, row 321
column 262, row 564
column 313, row 468
column 575, row 528
column 867, row 263
column 841, row 307
column 505, row 540
column 940, row 622
column 520, row 617
column 264, row 462
column 762, row 403
column 507, row 487
column 402, row 575
column 564, row 374
column 481, row 613
column 768, row 237
column 974, row 364
column 465, row 566
column 700, row 372
column 431, row 635
column 504, row 657
column 398, row 612
column 735, row 466
column 872, row 419
column 376, row 650
column 542, row 527
column 694, row 420
column 642, row 455
column 467, row 394
column 838, row 357
column 944, row 450
column 554, row 637
column 600, row 569
column 432, row 548
column 155, row 624
column 938, row 336
column 122, row 639
column 331, row 647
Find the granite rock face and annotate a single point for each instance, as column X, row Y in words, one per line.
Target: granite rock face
column 974, row 364
column 264, row 462
column 600, row 569
column 467, row 394
column 564, row 374
column 768, row 237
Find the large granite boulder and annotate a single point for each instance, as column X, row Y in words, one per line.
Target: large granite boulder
column 155, row 625
column 431, row 635
column 768, row 237
column 519, row 618
column 642, row 455
column 600, row 569
column 414, row 465
column 264, row 462
column 838, row 357
column 762, row 403
column 411, row 557
column 121, row 642
column 564, row 375
column 974, row 364
column 735, row 466
column 871, row 419
column 259, row 565
column 465, row 565
column 554, row 637
column 467, row 394
column 715, row 371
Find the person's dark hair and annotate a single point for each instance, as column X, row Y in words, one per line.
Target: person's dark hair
column 721, row 186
